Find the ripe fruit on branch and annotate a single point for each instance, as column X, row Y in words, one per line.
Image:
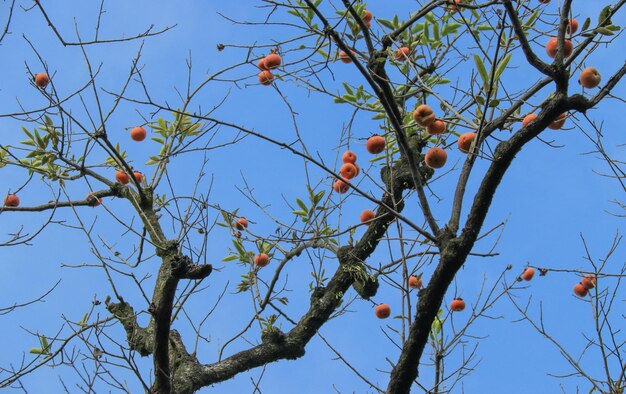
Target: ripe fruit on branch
column 261, row 260
column 138, row 133
column 383, row 311
column 572, row 26
column 457, row 305
column 93, row 200
column 367, row 215
column 340, row 186
column 465, row 141
column 375, row 144
column 552, row 44
column 558, row 122
column 241, row 223
column 589, row 77
column 42, row 80
column 402, row 54
column 415, row 282
column 343, row 56
column 266, row 78
column 580, row 290
column 589, row 282
column 121, row 177
column 528, row 118
column 348, row 171
column 436, row 127
column 11, row 200
column 366, row 16
column 138, row 176
column 423, row 115
column 436, row 158
column 348, row 157
column 528, row 273
column 261, row 64
column 272, row 61
column 358, row 169
column 454, row 7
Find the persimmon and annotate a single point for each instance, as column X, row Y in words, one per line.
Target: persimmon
column 580, row 290
column 455, row 7
column 272, row 61
column 589, row 281
column 122, row 177
column 558, row 122
column 436, row 158
column 42, row 80
column 367, row 215
column 436, row 127
column 261, row 64
column 572, row 26
column 382, row 311
column 340, row 186
column 266, row 78
column 375, row 144
column 415, row 282
column 552, row 45
column 465, row 141
column 348, row 171
column 423, row 115
column 138, row 176
column 402, row 54
column 348, row 157
column 241, row 223
column 344, row 57
column 457, row 305
column 367, row 16
column 11, row 200
column 528, row 118
column 93, row 200
column 528, row 273
column 138, row 133
column 261, row 260
column 589, row 78
column 358, row 169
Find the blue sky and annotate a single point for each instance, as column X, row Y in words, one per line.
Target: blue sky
column 549, row 198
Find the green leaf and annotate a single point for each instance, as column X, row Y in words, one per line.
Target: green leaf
column 604, row 31
column 481, row 70
column 230, row 257
column 604, row 15
column 300, row 212
column 386, row 23
column 586, row 24
column 302, row 205
column 348, row 89
column 502, row 66
column 494, row 103
column 378, row 116
column 530, row 22
column 450, row 28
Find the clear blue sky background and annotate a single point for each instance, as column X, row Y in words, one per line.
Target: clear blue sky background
column 549, row 197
